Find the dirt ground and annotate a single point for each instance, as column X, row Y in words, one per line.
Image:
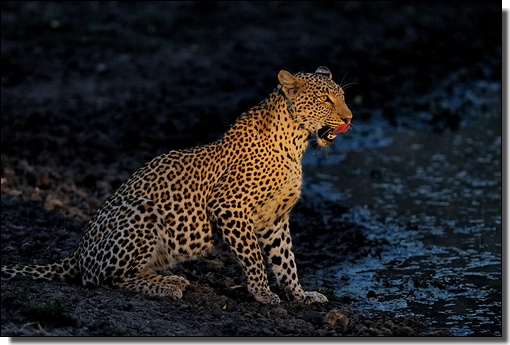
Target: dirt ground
column 92, row 90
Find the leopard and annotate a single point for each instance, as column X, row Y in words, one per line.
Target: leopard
column 240, row 189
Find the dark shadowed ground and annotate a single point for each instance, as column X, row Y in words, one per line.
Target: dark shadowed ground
column 92, row 90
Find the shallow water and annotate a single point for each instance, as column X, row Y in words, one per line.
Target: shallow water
column 436, row 198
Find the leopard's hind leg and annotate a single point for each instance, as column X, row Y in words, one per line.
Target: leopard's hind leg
column 155, row 285
column 127, row 246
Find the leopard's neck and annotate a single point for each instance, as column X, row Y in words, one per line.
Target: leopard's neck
column 268, row 126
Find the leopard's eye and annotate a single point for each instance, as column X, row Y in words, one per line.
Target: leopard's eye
column 325, row 98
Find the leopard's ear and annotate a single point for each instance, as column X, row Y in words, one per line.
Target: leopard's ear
column 290, row 84
column 324, row 71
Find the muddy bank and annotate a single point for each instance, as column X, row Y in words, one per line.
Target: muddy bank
column 215, row 304
column 91, row 91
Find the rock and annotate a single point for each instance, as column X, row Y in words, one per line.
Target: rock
column 277, row 312
column 337, row 320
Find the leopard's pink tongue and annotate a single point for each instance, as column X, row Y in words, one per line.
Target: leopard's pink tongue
column 341, row 128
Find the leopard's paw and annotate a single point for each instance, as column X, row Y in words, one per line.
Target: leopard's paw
column 266, row 297
column 181, row 282
column 313, row 297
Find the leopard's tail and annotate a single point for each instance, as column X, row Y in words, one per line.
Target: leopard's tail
column 66, row 269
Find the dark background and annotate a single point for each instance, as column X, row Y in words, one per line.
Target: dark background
column 148, row 77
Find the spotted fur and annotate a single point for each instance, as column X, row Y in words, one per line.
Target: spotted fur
column 243, row 186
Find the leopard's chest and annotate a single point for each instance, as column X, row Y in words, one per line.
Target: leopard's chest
column 286, row 193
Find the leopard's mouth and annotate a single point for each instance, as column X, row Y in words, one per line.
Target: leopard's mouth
column 327, row 134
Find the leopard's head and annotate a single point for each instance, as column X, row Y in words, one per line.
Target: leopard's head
column 316, row 103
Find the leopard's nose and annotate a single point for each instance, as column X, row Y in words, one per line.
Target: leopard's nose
column 347, row 119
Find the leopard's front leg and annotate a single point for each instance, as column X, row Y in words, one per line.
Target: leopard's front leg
column 277, row 245
column 237, row 231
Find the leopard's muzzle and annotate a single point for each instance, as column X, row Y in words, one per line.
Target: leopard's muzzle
column 327, row 133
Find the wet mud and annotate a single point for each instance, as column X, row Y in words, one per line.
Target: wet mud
column 436, row 199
